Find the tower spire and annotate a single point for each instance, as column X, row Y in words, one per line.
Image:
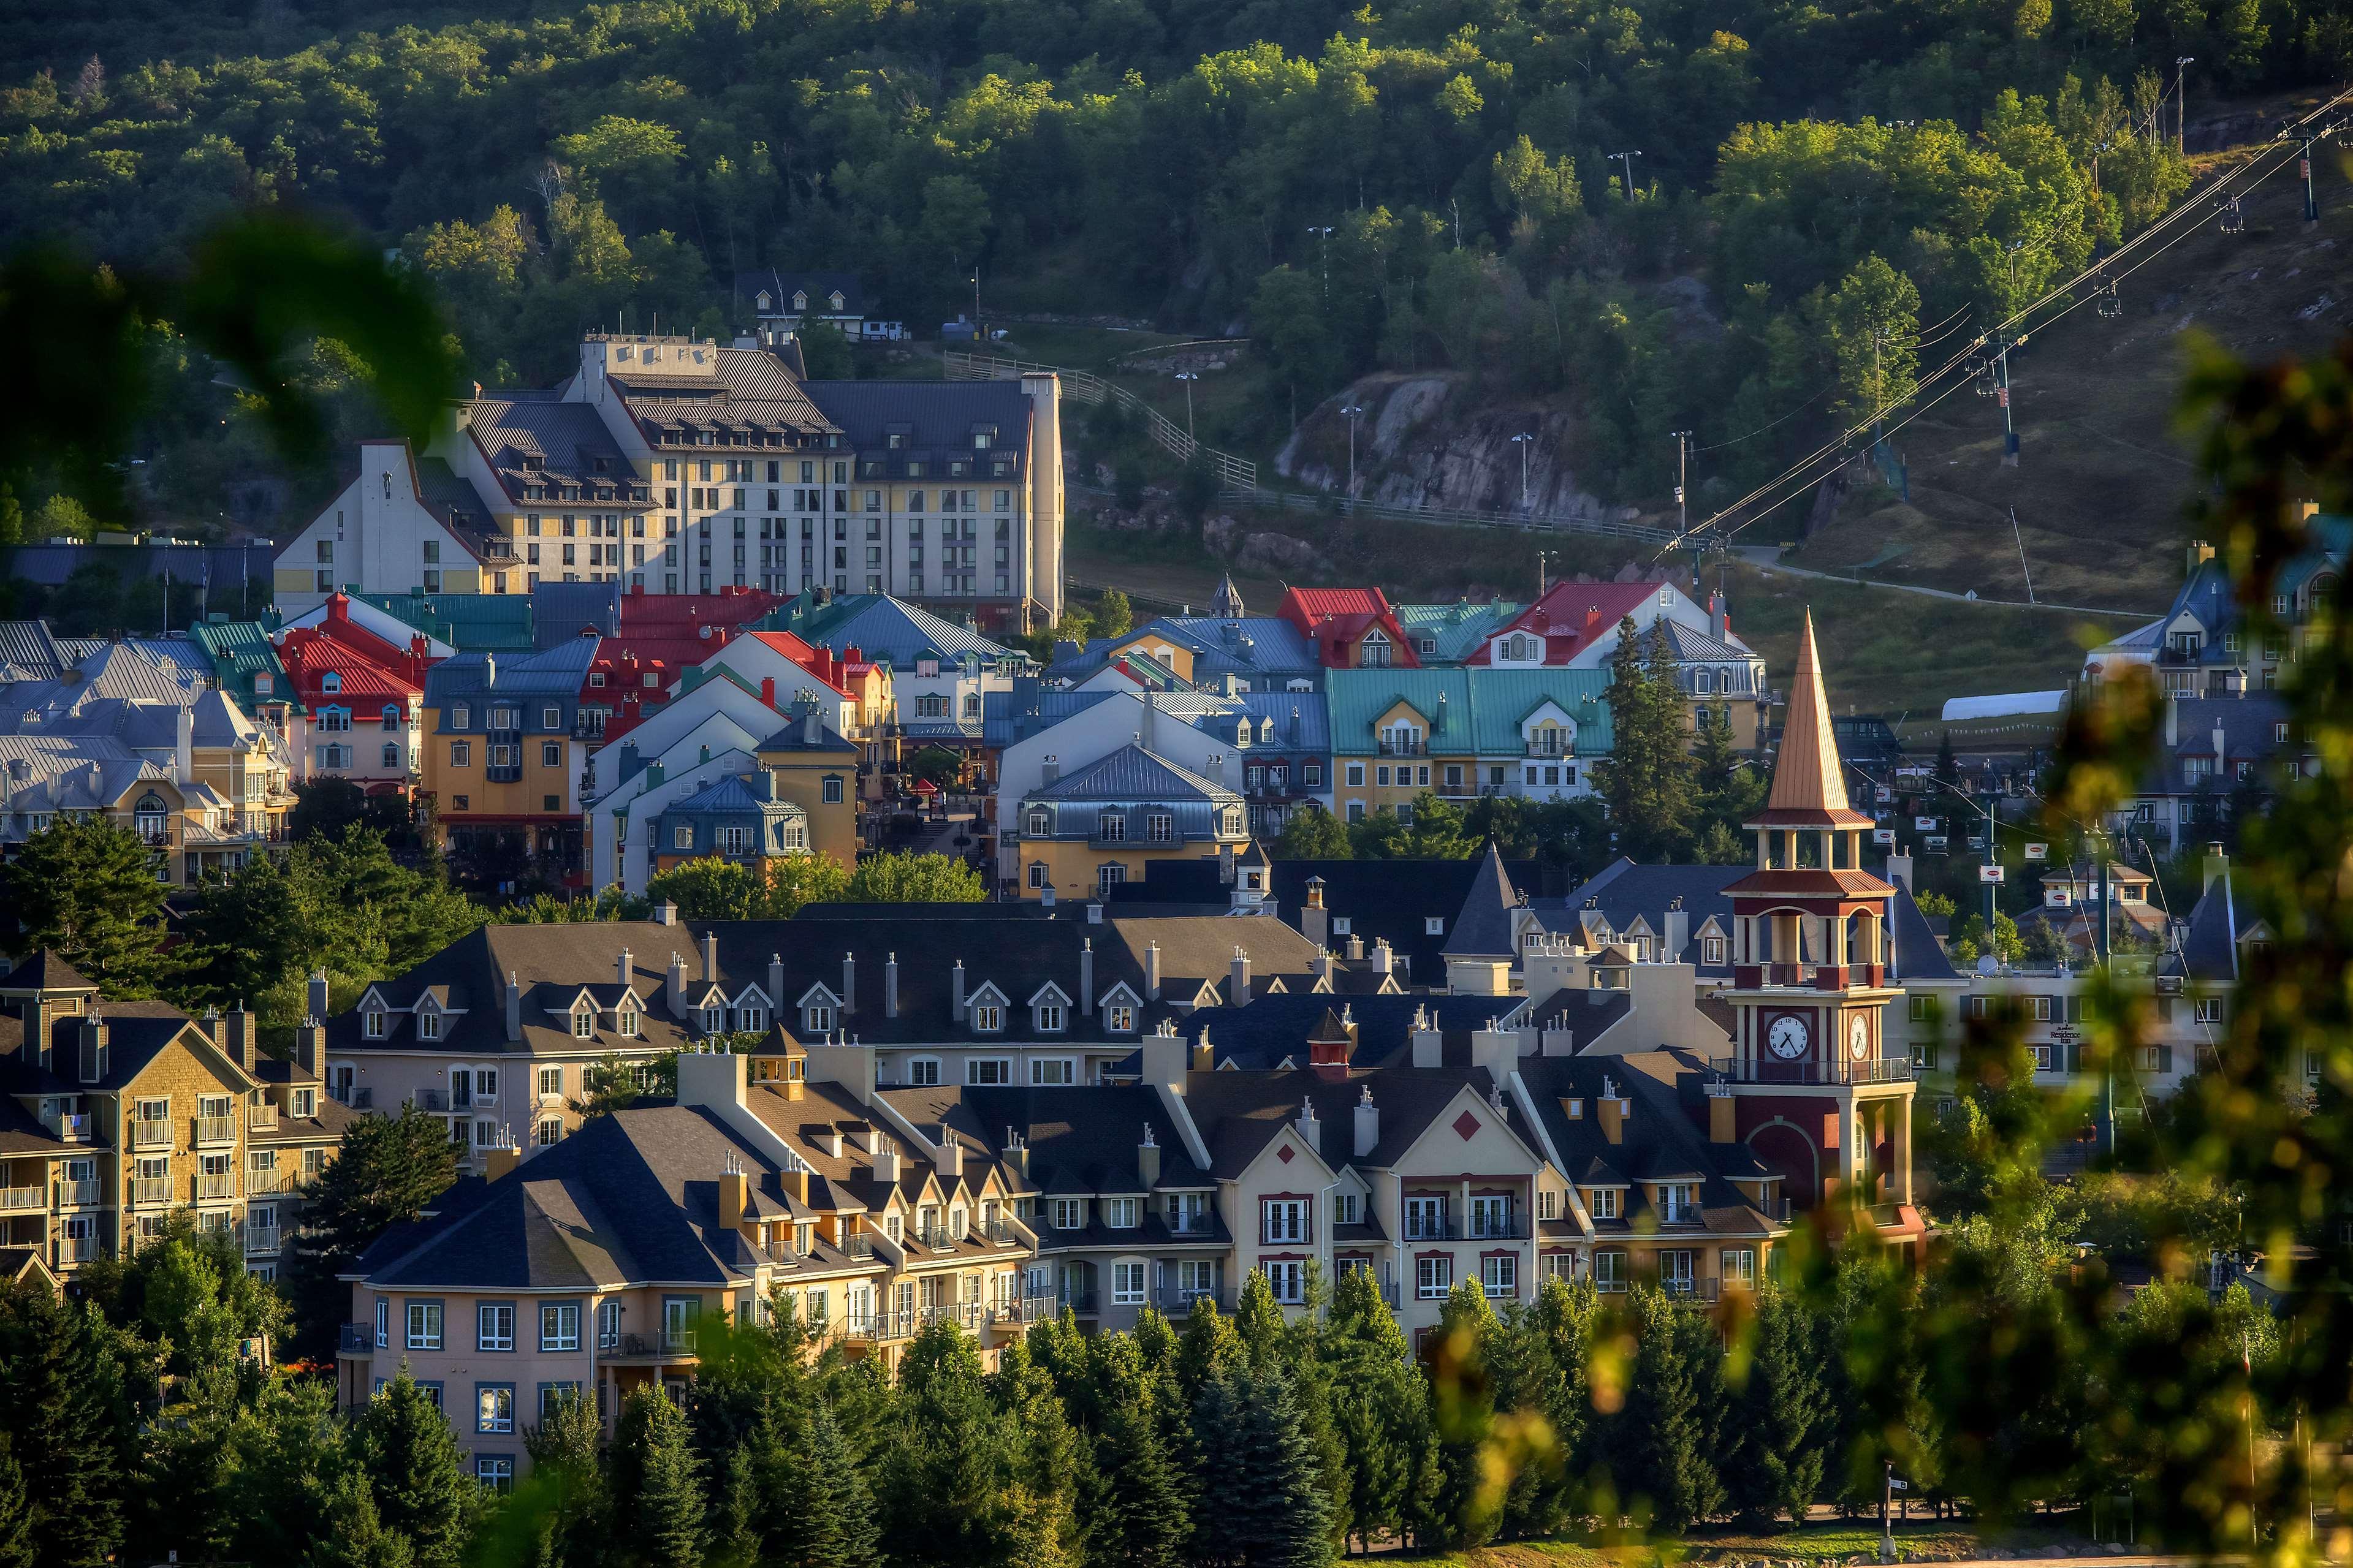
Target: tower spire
column 1807, row 778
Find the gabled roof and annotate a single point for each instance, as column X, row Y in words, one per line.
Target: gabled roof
column 1571, row 616
column 241, row 650
column 1662, row 1140
column 472, row 623
column 27, row 652
column 1133, row 774
column 559, row 672
column 2222, row 919
column 885, row 630
column 1240, row 1113
column 1472, row 710
column 820, row 288
column 1460, row 630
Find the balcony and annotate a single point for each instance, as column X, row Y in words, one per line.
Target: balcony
column 77, row 1250
column 880, row 1326
column 1021, row 1310
column 77, row 1194
column 859, row 1248
column 1402, row 747
column 216, row 1130
column 68, row 1129
column 647, row 1348
column 277, row 1179
column 1551, row 749
column 966, row 1315
column 212, row 1188
column 262, row 1241
column 1876, row 1069
column 145, row 1135
column 1693, row 1289
column 150, row 1192
column 1085, row 1304
column 1176, row 1301
column 1499, row 1227
column 21, row 1198
column 434, row 1099
column 261, row 1117
column 938, row 1237
column 355, row 1340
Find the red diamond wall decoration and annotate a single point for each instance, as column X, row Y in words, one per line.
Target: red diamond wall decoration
column 1467, row 1125
column 1284, row 1154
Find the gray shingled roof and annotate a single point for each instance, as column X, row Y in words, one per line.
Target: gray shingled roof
column 1131, row 773
column 1483, row 927
column 936, row 418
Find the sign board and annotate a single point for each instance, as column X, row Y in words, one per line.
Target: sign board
column 2064, row 1034
column 1900, row 1486
column 2038, row 852
column 1883, row 837
column 2058, row 896
column 1988, row 873
column 1886, row 792
column 1925, row 823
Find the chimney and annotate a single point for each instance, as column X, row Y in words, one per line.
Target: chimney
column 812, row 731
column 1203, row 1057
column 1046, row 896
column 214, row 1030
column 1147, row 1160
column 1899, row 869
column 1368, row 1124
column 184, row 747
column 1094, row 911
column 735, row 1195
column 716, row 1079
column 767, row 691
column 886, row 1158
column 890, row 986
column 1016, row 1153
column 1315, row 920
column 1723, row 1118
column 1611, row 1111
column 849, row 984
column 1356, row 948
column 1310, row 1131
column 1237, row 987
column 956, row 992
column 665, row 914
column 2222, row 756
column 950, row 1164
column 2218, row 866
column 95, row 1037
column 311, row 1047
column 625, row 967
column 1677, row 933
column 317, row 996
column 776, row 984
column 1429, row 1045
column 501, row 1160
column 1163, row 1056
column 1152, row 970
column 710, row 957
column 241, row 1042
column 514, row 1006
column 1087, row 978
column 795, row 1182
column 1325, row 966
column 1384, row 957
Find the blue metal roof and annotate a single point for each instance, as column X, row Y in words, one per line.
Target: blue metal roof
column 1134, row 773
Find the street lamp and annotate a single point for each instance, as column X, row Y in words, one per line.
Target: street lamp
column 1188, row 377
column 1627, row 160
column 1354, row 411
column 1325, row 232
column 2181, row 101
column 1521, row 441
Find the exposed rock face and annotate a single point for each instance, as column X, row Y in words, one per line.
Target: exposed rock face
column 1416, row 448
column 1269, row 554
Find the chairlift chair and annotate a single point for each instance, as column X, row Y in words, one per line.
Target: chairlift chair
column 2110, row 304
column 2234, row 220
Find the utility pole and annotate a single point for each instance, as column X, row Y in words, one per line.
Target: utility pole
column 1325, row 234
column 1353, row 411
column 2001, row 390
column 2181, row 102
column 1523, row 441
column 1993, row 860
column 1683, row 507
column 2108, row 1129
column 1626, row 160
column 2304, row 167
column 976, row 336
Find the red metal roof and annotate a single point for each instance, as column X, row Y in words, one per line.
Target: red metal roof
column 1571, row 616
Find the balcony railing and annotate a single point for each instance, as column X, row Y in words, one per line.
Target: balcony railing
column 68, row 1129
column 262, row 1118
column 963, row 1314
column 1552, row 749
column 147, row 1192
column 261, row 1240
column 1706, row 1289
column 210, row 1186
column 1086, row 1304
column 860, row 1246
column 356, row 1339
column 74, row 1195
column 147, row 1134
column 938, row 1238
column 1175, row 1300
column 1404, row 748
column 24, row 1198
column 276, row 1179
column 433, row 1100
column 76, row 1249
column 1021, row 1310
column 216, row 1130
column 1872, row 1070
column 1499, row 1227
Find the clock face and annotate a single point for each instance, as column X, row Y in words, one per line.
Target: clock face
column 1858, row 1037
column 1787, row 1038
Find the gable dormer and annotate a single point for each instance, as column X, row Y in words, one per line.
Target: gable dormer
column 820, row 1008
column 1120, row 1008
column 1049, row 1009
column 431, row 1018
column 985, row 1009
column 375, row 1016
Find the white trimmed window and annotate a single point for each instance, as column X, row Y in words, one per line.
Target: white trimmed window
column 1499, row 1274
column 1433, row 1275
column 1122, row 1214
column 1053, row 1071
column 1127, row 1284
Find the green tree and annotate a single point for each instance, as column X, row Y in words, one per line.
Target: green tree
column 570, row 1507
column 658, row 1500
column 1311, row 833
column 897, row 878
column 1663, row 1451
column 1780, row 1419
column 15, row 1512
column 87, row 889
column 1114, row 614
column 1872, row 319
column 386, row 1169
column 1144, row 1518
column 412, row 1465
column 824, row 350
column 1262, row 1497
column 821, row 1512
column 1379, row 1408
column 59, row 1422
column 1647, row 779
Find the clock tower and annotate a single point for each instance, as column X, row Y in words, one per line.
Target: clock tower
column 1820, row 1095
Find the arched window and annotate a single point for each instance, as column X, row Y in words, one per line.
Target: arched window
column 1702, row 680
column 150, row 816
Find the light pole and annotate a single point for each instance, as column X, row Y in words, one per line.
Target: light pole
column 2181, row 101
column 1627, row 160
column 1683, row 507
column 1188, row 377
column 1354, row 411
column 1525, row 440
column 1325, row 234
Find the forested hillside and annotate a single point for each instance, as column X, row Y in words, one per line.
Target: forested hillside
column 1435, row 184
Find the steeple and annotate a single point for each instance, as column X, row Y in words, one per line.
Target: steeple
column 1226, row 605
column 1809, row 785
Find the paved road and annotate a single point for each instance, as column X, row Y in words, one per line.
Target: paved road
column 1767, row 558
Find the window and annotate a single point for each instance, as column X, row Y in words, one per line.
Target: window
column 1288, row 1280
column 1678, row 1203
column 1122, row 1214
column 1609, row 1271
column 2209, row 1010
column 1433, row 1277
column 679, row 1314
column 547, row 1132
column 494, row 1326
column 609, row 1325
column 1068, row 1214
column 584, row 1024
column 371, row 1023
column 551, row 1396
column 1923, row 1009
column 383, row 1323
column 1740, row 1266
column 559, row 1327
column 1601, row 1202
column 923, row 1071
column 1053, row 1071
column 494, row 1472
column 1346, row 1208
column 1547, row 1204
column 551, row 1082
column 1282, row 1219
column 833, row 792
column 987, row 1070
column 494, row 1407
column 551, row 754
column 989, row 1020
column 1499, row 1274
column 461, row 754
column 1127, row 1284
column 1120, row 1018
column 1050, row 1017
column 423, row 1325
column 1710, row 949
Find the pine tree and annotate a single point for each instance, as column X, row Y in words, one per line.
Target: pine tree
column 568, row 1483
column 1660, row 1445
column 88, row 889
column 1462, row 1399
column 410, row 1459
column 1262, row 1499
column 1380, row 1410
column 352, row 1533
column 1206, row 1350
column 1647, row 779
column 386, row 1170
column 657, row 1484
column 819, row 1511
column 1780, row 1419
column 16, row 1513
column 60, row 1419
column 1144, row 1515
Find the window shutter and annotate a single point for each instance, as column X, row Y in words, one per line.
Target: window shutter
column 2074, row 1057
column 2165, row 1059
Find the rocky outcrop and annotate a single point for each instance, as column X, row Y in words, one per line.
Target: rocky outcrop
column 1418, row 445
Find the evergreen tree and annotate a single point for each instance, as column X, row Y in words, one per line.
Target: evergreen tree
column 1258, row 1323
column 1537, row 1361
column 1463, row 1512
column 949, row 1484
column 87, row 889
column 1262, row 1499
column 1380, row 1410
column 1206, row 1350
column 410, row 1459
column 288, row 1455
column 568, row 1486
column 387, row 1169
column 1050, row 1463
column 658, row 1500
column 1660, row 1448
column 16, row 1513
column 1311, row 833
column 1646, row 780
column 58, row 1420
column 1143, row 1516
column 1780, row 1418
column 355, row 1535
column 818, row 1512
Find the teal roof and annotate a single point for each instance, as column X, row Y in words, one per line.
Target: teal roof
column 470, row 622
column 1473, row 711
column 1459, row 628
column 239, row 651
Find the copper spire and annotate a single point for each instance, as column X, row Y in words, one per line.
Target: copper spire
column 1806, row 775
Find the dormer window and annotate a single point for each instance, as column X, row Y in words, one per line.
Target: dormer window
column 1120, row 1018
column 626, row 1023
column 305, row 1102
column 817, row 1018
column 428, row 1025
column 264, row 684
column 754, row 1018
column 331, row 681
column 1041, row 823
column 1050, row 1017
column 714, row 1019
column 989, row 1020
column 584, row 1024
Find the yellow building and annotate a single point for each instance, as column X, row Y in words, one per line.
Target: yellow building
column 1083, row 835
column 120, row 1113
column 504, row 751
column 815, row 768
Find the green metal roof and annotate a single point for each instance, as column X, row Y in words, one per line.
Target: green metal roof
column 239, row 651
column 470, row 622
column 1459, row 627
column 1473, row 711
